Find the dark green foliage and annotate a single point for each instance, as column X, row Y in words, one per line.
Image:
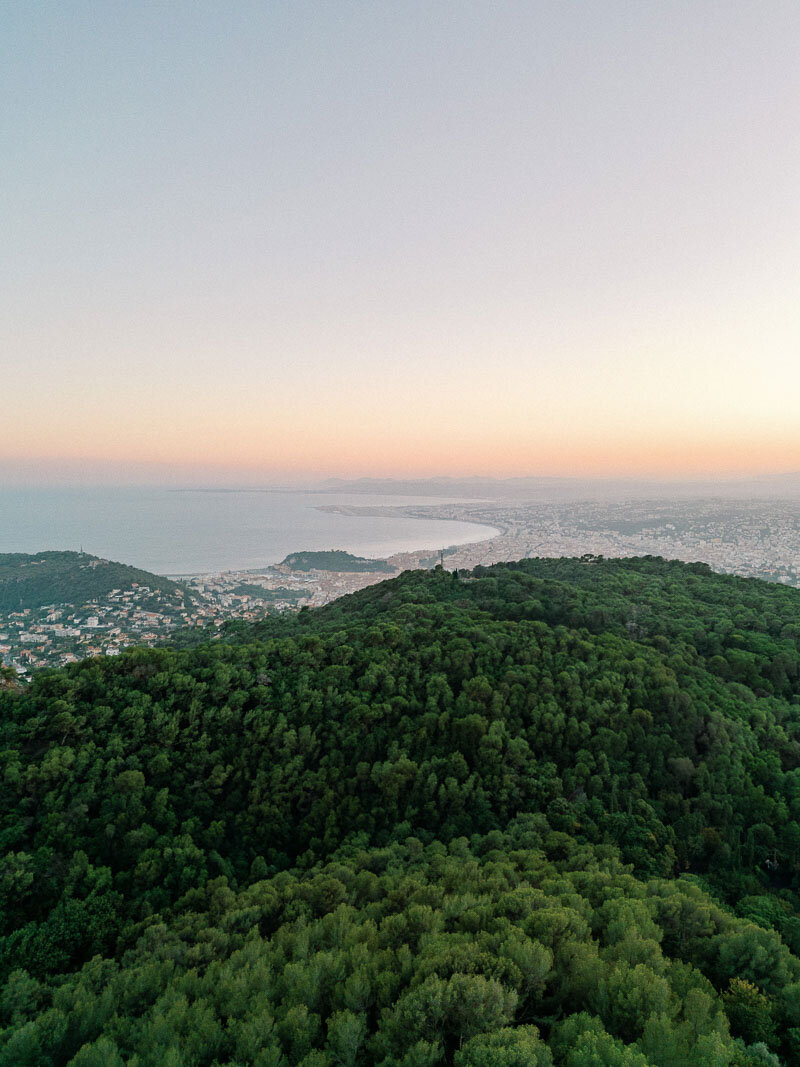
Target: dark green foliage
column 335, row 560
column 749, row 1011
column 70, row 578
column 520, row 816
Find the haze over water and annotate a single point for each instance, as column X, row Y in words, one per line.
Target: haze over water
column 197, row 531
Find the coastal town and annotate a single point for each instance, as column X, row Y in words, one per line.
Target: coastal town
column 57, row 633
column 756, row 539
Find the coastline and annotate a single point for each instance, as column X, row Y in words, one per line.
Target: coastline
column 406, row 511
column 403, row 560
column 185, row 533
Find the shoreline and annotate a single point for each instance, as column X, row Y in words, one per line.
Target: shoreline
column 355, row 511
column 406, row 554
column 187, row 533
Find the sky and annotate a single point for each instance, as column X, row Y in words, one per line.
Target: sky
column 277, row 240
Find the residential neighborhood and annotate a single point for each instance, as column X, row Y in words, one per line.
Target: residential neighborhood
column 55, row 634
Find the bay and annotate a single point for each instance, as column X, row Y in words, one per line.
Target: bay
column 175, row 532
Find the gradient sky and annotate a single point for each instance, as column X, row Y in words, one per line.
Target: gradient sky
column 268, row 239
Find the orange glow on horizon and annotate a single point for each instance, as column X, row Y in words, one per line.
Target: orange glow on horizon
column 260, row 259
column 318, row 457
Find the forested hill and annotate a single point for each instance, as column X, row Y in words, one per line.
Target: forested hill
column 743, row 629
column 335, row 560
column 542, row 813
column 31, row 581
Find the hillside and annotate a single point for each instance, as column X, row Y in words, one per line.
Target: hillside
column 541, row 813
column 32, row 581
column 335, row 560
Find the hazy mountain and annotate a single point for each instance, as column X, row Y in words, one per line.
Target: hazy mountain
column 543, row 488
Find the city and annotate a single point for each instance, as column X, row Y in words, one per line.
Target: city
column 759, row 538
column 754, row 539
column 55, row 634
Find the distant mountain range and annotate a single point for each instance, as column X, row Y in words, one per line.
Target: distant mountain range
column 543, row 488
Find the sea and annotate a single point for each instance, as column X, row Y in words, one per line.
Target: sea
column 202, row 531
